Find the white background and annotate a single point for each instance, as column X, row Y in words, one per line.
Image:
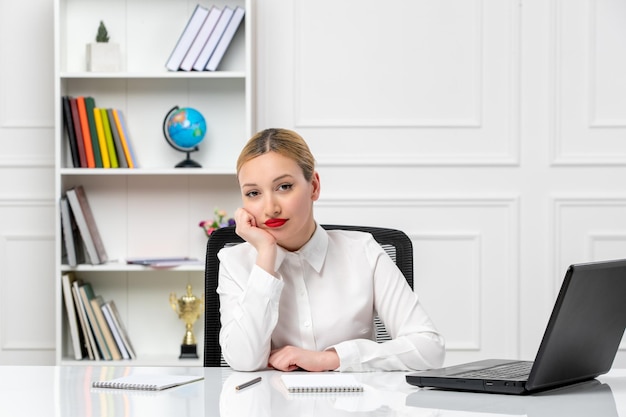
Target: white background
column 490, row 131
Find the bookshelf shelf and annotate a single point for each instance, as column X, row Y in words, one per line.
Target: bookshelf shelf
column 152, row 360
column 152, row 210
column 79, row 172
column 124, row 267
column 160, row 75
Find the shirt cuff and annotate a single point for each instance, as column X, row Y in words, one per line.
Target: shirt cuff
column 349, row 358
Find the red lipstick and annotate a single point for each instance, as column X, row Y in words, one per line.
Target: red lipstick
column 275, row 222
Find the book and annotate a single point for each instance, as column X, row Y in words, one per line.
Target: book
column 227, row 37
column 84, row 126
column 147, row 382
column 124, row 139
column 86, row 225
column 211, row 43
column 102, row 141
column 78, row 133
column 117, row 329
column 87, row 294
column 88, row 338
column 72, row 316
column 126, row 134
column 71, row 235
column 106, row 126
column 96, row 305
column 321, row 382
column 187, row 37
column 90, row 104
column 119, row 148
column 203, row 36
column 69, row 130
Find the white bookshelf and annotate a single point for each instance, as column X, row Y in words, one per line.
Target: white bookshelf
column 153, row 210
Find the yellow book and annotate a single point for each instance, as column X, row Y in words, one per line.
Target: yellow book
column 109, row 138
column 106, row 163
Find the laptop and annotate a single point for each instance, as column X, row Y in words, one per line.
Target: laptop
column 580, row 341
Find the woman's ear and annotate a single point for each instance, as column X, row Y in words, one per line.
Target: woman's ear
column 315, row 182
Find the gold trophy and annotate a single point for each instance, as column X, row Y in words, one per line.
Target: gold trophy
column 188, row 307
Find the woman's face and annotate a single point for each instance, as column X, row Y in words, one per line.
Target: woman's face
column 275, row 192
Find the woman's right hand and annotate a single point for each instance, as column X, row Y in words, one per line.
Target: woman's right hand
column 263, row 241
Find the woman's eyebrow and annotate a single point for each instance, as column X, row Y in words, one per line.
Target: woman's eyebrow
column 277, row 179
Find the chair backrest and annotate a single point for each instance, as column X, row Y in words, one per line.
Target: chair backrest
column 395, row 242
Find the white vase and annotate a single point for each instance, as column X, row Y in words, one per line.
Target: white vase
column 103, row 57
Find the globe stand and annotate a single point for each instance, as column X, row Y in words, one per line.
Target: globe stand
column 188, row 162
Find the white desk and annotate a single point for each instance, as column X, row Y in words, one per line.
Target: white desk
column 66, row 392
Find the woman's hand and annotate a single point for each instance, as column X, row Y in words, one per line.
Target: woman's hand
column 290, row 358
column 265, row 244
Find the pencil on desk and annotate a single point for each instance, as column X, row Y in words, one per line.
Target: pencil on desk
column 247, row 384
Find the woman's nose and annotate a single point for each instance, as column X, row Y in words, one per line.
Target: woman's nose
column 272, row 209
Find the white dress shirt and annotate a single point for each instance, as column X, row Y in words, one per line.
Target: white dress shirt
column 325, row 296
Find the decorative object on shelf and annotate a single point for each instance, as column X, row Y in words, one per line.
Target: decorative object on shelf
column 102, row 55
column 218, row 222
column 189, row 308
column 184, row 129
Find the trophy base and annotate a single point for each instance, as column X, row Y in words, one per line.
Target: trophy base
column 188, row 352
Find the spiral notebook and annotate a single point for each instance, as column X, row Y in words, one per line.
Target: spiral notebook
column 147, row 382
column 321, row 382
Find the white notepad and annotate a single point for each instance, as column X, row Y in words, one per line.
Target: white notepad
column 321, row 382
column 147, row 382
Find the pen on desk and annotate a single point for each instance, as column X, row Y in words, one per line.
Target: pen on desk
column 247, row 384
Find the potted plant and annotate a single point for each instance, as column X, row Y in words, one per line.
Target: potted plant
column 102, row 55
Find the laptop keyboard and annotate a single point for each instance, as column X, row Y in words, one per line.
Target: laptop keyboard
column 513, row 370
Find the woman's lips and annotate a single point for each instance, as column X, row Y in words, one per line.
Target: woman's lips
column 275, row 222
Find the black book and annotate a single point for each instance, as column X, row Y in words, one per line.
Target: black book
column 69, row 128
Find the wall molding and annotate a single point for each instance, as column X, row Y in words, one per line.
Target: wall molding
column 7, row 342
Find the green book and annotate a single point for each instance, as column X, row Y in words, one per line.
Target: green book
column 106, row 125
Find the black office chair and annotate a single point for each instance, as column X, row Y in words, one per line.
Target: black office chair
column 395, row 242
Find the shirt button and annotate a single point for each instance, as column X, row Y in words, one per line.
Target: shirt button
column 307, row 324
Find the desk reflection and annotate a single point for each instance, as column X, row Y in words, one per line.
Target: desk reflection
column 67, row 390
column 591, row 398
column 270, row 398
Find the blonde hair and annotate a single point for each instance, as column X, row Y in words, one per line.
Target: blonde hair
column 284, row 142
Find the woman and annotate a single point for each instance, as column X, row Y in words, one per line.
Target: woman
column 296, row 296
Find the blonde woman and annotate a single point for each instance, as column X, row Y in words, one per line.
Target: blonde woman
column 296, row 296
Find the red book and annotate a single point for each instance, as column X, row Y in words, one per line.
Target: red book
column 84, row 125
column 78, row 133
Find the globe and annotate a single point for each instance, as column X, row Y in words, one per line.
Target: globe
column 184, row 128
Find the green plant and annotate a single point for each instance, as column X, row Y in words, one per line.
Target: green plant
column 102, row 36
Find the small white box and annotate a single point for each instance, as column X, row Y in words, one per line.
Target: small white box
column 103, row 57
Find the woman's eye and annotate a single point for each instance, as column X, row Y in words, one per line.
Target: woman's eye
column 285, row 187
column 252, row 194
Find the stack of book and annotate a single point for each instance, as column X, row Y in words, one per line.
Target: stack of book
column 81, row 237
column 96, row 328
column 98, row 137
column 205, row 39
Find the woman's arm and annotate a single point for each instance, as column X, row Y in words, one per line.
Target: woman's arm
column 249, row 299
column 416, row 344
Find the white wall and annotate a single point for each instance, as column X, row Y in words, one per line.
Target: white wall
column 490, row 131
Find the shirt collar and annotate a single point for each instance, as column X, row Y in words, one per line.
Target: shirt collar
column 313, row 252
